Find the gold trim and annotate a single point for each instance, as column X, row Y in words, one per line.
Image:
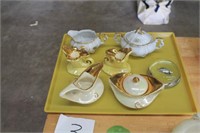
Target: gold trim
column 113, row 51
column 68, row 50
column 136, row 79
column 94, row 70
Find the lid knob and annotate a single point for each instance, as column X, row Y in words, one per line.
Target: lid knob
column 135, row 84
column 136, row 79
column 139, row 30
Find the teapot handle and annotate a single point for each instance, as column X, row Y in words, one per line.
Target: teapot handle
column 117, row 38
column 102, row 37
column 160, row 42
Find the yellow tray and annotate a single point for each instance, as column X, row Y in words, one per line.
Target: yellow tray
column 174, row 101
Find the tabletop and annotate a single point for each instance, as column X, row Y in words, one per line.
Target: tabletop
column 190, row 54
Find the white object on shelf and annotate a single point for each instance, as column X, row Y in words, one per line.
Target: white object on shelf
column 154, row 12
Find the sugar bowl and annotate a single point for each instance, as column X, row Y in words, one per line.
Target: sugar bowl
column 140, row 42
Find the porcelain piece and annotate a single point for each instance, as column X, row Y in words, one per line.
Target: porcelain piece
column 137, row 93
column 116, row 61
column 77, row 60
column 165, row 71
column 140, row 42
column 188, row 126
column 86, row 39
column 87, row 88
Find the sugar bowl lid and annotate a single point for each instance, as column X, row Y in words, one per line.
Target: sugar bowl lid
column 138, row 37
column 135, row 84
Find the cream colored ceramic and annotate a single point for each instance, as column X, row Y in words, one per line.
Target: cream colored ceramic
column 134, row 90
column 77, row 60
column 189, row 126
column 140, row 42
column 86, row 39
column 87, row 88
column 116, row 61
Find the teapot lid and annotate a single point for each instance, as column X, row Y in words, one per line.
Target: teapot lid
column 138, row 37
column 135, row 84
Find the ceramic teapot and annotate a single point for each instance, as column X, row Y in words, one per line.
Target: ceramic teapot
column 135, row 90
column 77, row 60
column 116, row 61
column 140, row 42
column 87, row 88
column 191, row 125
column 87, row 39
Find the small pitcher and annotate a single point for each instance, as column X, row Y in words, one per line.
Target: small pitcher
column 87, row 39
column 77, row 60
column 116, row 61
column 135, row 91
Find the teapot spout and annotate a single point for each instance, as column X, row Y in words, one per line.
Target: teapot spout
column 72, row 33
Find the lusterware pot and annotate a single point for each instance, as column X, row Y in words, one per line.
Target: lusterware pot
column 135, row 90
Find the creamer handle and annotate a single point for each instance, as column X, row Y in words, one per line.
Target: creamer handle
column 102, row 37
column 117, row 38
